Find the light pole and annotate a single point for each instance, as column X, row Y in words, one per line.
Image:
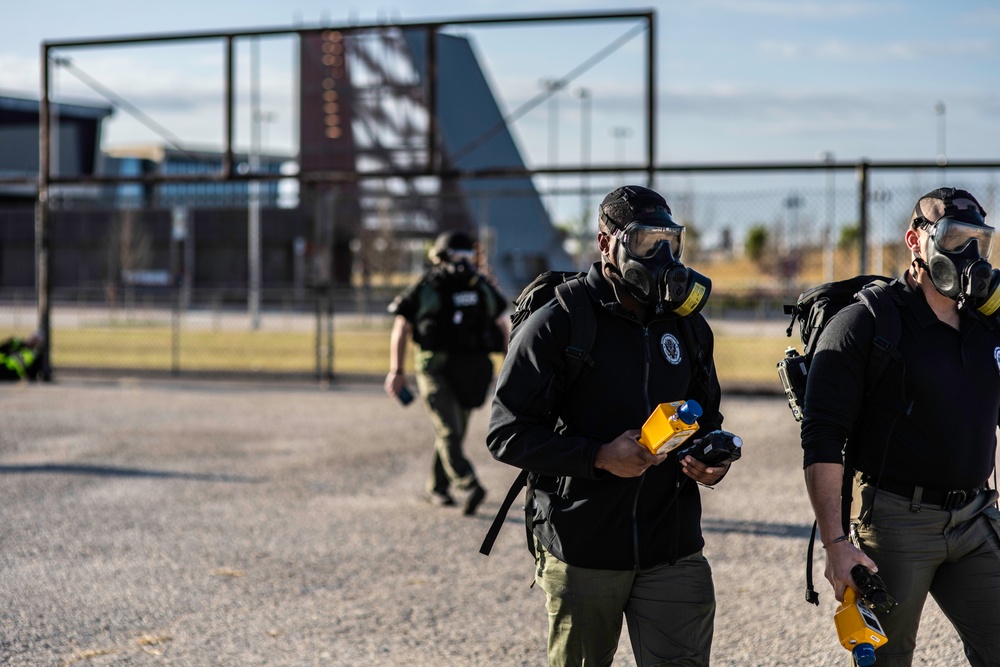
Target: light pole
column 793, row 203
column 940, row 110
column 883, row 197
column 585, row 110
column 831, row 206
column 553, row 86
column 257, row 128
column 942, row 153
column 620, row 134
column 253, row 189
column 789, row 257
column 253, row 192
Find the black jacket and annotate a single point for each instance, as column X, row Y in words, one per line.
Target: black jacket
column 584, row 516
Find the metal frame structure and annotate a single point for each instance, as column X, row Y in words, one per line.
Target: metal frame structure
column 432, row 168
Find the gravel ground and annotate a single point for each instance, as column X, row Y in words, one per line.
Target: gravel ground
column 156, row 522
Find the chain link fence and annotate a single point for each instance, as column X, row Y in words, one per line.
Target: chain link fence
column 166, row 291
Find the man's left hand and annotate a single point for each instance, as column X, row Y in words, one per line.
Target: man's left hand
column 704, row 474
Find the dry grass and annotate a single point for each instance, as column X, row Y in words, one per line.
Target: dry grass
column 361, row 350
column 749, row 359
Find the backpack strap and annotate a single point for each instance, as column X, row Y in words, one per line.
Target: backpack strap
column 884, row 305
column 572, row 296
column 812, row 597
column 501, row 516
column 884, row 346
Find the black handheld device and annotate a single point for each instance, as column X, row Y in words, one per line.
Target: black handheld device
column 715, row 448
column 873, row 592
column 405, row 396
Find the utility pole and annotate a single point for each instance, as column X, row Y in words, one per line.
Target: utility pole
column 253, row 190
column 553, row 86
column 585, row 111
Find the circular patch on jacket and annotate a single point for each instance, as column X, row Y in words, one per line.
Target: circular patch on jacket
column 672, row 349
column 996, row 357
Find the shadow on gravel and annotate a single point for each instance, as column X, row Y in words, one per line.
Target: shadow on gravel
column 763, row 528
column 111, row 471
column 792, row 530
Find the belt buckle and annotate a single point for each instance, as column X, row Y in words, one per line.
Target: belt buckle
column 953, row 499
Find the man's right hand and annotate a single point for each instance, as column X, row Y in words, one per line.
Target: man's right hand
column 625, row 457
column 841, row 558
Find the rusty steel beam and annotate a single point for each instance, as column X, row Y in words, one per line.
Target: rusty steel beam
column 355, row 27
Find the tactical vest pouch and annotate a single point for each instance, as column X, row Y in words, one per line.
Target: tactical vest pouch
column 469, row 376
column 427, row 334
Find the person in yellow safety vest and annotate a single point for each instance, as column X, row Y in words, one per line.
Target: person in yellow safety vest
column 22, row 358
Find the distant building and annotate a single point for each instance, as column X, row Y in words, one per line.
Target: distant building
column 75, row 143
column 159, row 159
column 89, row 222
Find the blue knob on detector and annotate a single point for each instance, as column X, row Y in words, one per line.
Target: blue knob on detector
column 864, row 655
column 689, row 412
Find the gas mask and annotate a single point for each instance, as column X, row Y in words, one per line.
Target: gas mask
column 459, row 261
column 648, row 260
column 957, row 265
column 454, row 254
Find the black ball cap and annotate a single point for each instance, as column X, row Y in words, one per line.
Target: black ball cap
column 456, row 240
column 635, row 203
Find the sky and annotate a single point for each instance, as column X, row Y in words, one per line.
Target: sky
column 737, row 80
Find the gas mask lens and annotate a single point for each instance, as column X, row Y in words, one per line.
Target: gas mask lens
column 643, row 241
column 953, row 236
column 462, row 256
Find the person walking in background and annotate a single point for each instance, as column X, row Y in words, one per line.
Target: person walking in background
column 454, row 315
column 614, row 528
column 920, row 442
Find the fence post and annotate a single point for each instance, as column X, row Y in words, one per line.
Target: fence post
column 175, row 329
column 862, row 172
column 43, row 221
column 324, row 335
column 318, row 298
column 329, row 332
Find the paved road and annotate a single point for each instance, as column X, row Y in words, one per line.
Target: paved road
column 195, row 523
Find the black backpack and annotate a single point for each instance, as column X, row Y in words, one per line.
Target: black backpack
column 569, row 288
column 813, row 310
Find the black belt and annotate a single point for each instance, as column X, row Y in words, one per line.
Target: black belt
column 945, row 499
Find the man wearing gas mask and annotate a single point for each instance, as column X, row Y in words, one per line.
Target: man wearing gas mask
column 615, row 529
column 922, row 438
column 454, row 314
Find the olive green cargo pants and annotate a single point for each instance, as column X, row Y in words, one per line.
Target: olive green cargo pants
column 670, row 610
column 450, row 421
